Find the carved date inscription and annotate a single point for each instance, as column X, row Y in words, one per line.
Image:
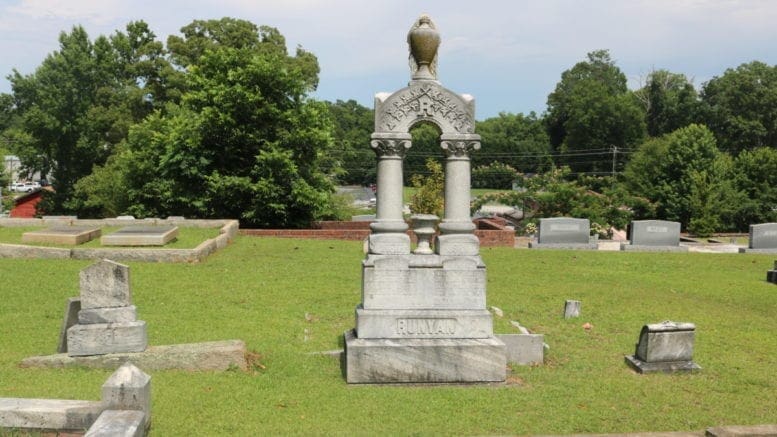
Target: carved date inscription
column 427, row 102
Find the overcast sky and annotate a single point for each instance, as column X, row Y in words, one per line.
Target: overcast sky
column 508, row 54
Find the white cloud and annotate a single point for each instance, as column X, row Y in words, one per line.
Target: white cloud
column 93, row 11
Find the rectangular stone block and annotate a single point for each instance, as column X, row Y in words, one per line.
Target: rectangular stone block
column 389, row 244
column 457, row 245
column 384, row 361
column 571, row 309
column 666, row 341
column 424, row 288
column 107, row 315
column 128, row 388
column 625, row 247
column 524, row 349
column 763, row 236
column 62, row 235
column 55, row 414
column 769, row 430
column 564, row 230
column 118, row 423
column 655, row 233
column 423, row 323
column 105, row 284
column 141, row 236
column 661, row 366
column 104, row 338
column 564, row 246
column 72, row 307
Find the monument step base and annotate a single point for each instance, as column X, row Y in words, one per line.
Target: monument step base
column 661, row 366
column 385, row 361
column 564, row 246
column 771, row 276
column 104, row 338
column 213, row 355
column 626, row 247
column 765, row 251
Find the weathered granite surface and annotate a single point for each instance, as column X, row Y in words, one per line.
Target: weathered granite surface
column 655, row 233
column 62, row 235
column 423, row 323
column 141, row 236
column 664, row 347
column 766, row 430
column 72, row 307
column 48, row 413
column 524, row 349
column 564, row 230
column 128, row 388
column 118, row 423
column 424, row 360
column 105, row 284
column 564, row 246
column 763, row 236
column 572, row 309
column 214, row 355
column 122, row 314
column 626, row 247
column 106, row 338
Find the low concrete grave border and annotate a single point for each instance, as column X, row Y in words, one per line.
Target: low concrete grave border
column 227, row 232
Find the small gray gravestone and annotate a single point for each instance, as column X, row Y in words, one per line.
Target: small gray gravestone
column 771, row 275
column 571, row 309
column 664, row 347
column 763, row 238
column 654, row 235
column 564, row 233
column 141, row 236
column 107, row 320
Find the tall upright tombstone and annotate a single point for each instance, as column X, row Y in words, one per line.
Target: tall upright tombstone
column 654, row 236
column 763, row 239
column 423, row 316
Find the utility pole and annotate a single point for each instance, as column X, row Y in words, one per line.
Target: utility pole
column 614, row 158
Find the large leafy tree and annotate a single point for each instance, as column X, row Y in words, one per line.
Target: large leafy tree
column 670, row 102
column 517, row 140
column 245, row 142
column 352, row 153
column 740, row 107
column 755, row 173
column 80, row 102
column 687, row 177
column 591, row 111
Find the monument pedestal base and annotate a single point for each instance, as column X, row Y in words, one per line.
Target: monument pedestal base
column 565, row 246
column 105, row 338
column 626, row 247
column 384, row 361
column 661, row 366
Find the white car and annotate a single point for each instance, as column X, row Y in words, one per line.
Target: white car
column 25, row 187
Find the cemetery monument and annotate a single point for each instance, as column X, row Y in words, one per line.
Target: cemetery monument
column 664, row 347
column 763, row 239
column 654, row 236
column 423, row 316
column 564, row 233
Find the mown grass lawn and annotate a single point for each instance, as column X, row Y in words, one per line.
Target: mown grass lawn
column 259, row 289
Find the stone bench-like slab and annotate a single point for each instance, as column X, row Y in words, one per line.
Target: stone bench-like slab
column 56, row 414
column 141, row 236
column 65, row 235
column 118, row 423
column 214, row 355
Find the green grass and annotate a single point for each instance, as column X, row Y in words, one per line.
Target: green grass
column 259, row 289
column 188, row 238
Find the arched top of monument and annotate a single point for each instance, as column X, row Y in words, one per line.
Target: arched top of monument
column 425, row 101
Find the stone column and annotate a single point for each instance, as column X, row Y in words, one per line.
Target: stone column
column 457, row 220
column 388, row 231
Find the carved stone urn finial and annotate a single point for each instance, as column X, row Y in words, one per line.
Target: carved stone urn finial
column 423, row 40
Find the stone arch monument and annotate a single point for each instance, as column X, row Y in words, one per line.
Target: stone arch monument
column 423, row 315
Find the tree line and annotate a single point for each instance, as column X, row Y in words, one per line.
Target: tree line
column 218, row 122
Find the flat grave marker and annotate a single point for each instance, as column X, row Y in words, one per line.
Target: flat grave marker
column 564, row 233
column 654, row 235
column 62, row 235
column 763, row 236
column 141, row 236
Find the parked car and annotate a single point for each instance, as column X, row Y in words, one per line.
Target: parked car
column 25, row 187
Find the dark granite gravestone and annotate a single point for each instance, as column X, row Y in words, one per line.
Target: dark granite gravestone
column 771, row 275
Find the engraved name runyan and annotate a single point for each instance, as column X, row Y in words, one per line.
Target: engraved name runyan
column 563, row 228
column 657, row 229
column 426, row 326
column 770, row 234
column 426, row 102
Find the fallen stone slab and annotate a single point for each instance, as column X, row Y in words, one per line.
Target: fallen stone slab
column 214, row 355
column 524, row 349
column 57, row 414
column 141, row 236
column 739, row 430
column 118, row 423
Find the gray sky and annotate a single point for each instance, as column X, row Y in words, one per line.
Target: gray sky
column 508, row 54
